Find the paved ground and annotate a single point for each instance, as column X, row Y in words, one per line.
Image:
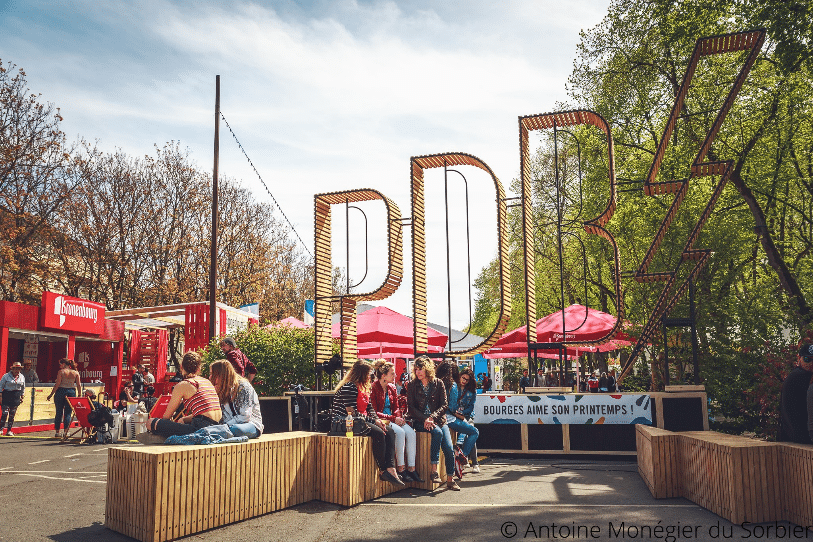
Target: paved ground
column 53, row 491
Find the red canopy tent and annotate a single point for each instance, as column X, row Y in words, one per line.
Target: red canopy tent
column 382, row 332
column 581, row 324
column 291, row 321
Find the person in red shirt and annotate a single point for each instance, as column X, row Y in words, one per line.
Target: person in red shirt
column 242, row 365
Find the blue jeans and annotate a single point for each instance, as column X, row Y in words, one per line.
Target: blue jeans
column 441, row 438
column 463, row 428
column 63, row 407
column 247, row 429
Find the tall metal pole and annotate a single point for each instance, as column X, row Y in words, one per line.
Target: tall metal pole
column 693, row 316
column 213, row 256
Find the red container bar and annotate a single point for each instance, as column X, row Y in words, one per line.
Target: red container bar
column 63, row 326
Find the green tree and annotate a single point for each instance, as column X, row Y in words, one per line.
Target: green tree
column 283, row 357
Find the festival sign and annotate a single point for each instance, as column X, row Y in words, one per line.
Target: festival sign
column 72, row 314
column 599, row 408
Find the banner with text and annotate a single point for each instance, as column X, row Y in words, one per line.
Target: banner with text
column 598, row 408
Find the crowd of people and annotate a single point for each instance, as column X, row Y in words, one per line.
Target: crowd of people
column 434, row 400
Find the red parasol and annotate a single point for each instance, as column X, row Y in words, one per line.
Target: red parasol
column 291, row 321
column 382, row 331
column 582, row 324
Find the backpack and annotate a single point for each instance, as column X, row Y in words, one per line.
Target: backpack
column 100, row 417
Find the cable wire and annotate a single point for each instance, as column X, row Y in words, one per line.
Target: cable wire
column 265, row 185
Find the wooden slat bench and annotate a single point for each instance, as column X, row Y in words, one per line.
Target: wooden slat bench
column 158, row 493
column 737, row 478
column 348, row 474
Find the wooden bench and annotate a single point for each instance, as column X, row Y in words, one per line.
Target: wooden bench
column 737, row 478
column 158, row 493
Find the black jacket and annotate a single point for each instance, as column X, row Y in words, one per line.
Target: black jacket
column 417, row 400
column 793, row 407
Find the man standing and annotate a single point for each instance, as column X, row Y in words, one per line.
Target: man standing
column 29, row 373
column 524, row 382
column 793, row 400
column 138, row 381
column 540, row 378
column 149, row 378
column 12, row 387
column 242, row 365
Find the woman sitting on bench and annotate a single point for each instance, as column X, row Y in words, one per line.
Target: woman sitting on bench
column 385, row 402
column 427, row 409
column 238, row 400
column 352, row 398
column 201, row 405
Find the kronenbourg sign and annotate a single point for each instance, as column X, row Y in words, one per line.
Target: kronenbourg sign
column 72, row 314
column 598, row 408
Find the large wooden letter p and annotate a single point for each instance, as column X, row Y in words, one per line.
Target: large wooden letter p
column 323, row 283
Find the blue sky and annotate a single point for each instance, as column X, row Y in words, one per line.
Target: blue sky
column 324, row 96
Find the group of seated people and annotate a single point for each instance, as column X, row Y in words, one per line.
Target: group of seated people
column 224, row 399
column 436, row 403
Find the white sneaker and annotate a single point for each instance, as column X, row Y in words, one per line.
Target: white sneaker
column 475, row 468
column 9, row 434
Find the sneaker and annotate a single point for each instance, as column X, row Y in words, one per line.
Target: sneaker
column 435, row 477
column 452, row 485
column 414, row 476
column 475, row 468
column 9, row 433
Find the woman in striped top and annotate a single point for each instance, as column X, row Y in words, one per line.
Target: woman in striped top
column 201, row 405
column 353, row 397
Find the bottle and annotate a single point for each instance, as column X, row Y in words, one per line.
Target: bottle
column 348, row 422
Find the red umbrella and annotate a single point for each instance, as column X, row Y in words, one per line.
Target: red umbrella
column 582, row 324
column 291, row 321
column 383, row 328
column 386, row 350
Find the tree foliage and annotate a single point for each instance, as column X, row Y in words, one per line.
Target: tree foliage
column 283, row 357
column 129, row 231
column 753, row 297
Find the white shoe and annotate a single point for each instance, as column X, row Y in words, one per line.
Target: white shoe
column 475, row 468
column 9, row 434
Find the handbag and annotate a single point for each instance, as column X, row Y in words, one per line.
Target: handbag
column 338, row 427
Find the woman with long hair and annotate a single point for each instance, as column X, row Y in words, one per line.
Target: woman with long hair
column 352, row 398
column 464, row 413
column 68, row 384
column 426, row 396
column 201, row 405
column 238, row 400
column 385, row 403
column 455, row 421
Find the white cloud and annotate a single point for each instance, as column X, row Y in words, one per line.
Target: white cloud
column 324, row 96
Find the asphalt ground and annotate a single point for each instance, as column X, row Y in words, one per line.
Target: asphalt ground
column 56, row 491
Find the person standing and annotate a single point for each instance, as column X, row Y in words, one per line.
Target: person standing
column 149, row 378
column 611, row 382
column 524, row 382
column 138, row 382
column 486, row 383
column 540, row 378
column 242, row 365
column 793, row 421
column 12, row 387
column 68, row 384
column 29, row 373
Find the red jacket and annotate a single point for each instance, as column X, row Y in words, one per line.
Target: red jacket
column 242, row 365
column 377, row 400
